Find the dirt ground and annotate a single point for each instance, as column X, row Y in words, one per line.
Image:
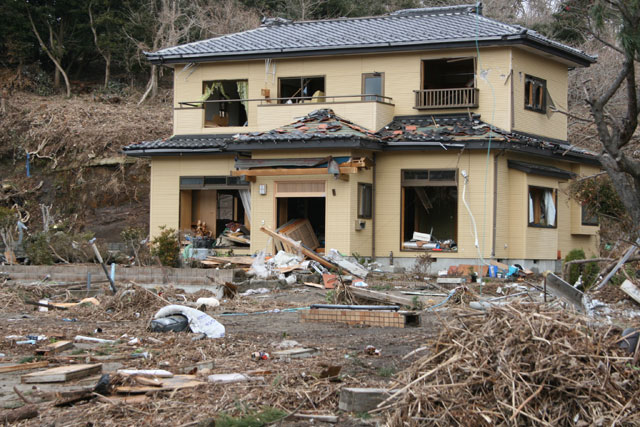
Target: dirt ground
column 260, row 322
column 288, row 385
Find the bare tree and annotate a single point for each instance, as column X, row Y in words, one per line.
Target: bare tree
column 616, row 131
column 54, row 51
column 105, row 53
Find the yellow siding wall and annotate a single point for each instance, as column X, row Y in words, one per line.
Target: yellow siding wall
column 341, row 208
column 165, row 184
column 343, row 76
column 388, row 200
column 514, row 238
column 556, row 75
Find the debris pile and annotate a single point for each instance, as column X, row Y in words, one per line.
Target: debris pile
column 519, row 364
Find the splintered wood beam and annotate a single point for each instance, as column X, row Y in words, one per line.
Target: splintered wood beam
column 296, row 171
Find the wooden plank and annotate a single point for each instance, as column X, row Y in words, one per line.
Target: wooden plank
column 294, row 353
column 313, row 285
column 178, row 381
column 380, row 296
column 630, row 289
column 62, row 373
column 55, row 347
column 23, row 366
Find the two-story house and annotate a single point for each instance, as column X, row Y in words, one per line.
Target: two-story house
column 427, row 130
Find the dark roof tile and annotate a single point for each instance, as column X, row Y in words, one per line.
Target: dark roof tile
column 403, row 28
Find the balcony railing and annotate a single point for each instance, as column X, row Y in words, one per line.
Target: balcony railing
column 430, row 99
column 324, row 99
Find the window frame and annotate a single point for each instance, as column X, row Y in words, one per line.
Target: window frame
column 280, row 78
column 530, row 85
column 369, row 75
column 555, row 197
column 585, row 222
column 205, row 84
column 365, row 212
column 231, row 183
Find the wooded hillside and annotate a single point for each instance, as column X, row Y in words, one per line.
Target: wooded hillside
column 76, row 88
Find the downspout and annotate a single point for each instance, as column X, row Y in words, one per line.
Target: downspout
column 373, row 209
column 495, row 202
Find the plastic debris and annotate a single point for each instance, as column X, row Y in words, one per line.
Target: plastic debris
column 175, row 323
column 199, row 322
column 209, row 302
column 260, row 355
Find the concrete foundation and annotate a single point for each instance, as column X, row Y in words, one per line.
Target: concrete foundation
column 406, row 264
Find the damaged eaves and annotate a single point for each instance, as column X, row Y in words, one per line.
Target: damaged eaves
column 324, row 129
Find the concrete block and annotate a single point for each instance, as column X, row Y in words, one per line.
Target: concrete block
column 362, row 399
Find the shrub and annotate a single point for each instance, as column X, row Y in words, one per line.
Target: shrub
column 166, row 247
column 48, row 247
column 589, row 270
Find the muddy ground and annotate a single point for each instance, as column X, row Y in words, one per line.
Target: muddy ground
column 288, row 385
column 263, row 322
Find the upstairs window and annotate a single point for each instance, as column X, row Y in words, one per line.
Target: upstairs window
column 542, row 207
column 297, row 90
column 373, row 84
column 535, row 90
column 228, row 106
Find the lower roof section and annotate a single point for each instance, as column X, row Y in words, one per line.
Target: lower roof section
column 323, row 129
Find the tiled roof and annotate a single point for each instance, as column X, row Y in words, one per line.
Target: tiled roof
column 318, row 125
column 406, row 29
column 180, row 142
column 324, row 129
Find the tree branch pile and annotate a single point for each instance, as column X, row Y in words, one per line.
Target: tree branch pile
column 519, row 365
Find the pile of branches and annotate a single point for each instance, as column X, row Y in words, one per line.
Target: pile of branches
column 519, row 365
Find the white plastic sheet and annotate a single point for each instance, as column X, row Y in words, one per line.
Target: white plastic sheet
column 199, row 322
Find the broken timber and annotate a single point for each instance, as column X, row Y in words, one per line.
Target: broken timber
column 299, row 247
column 23, row 366
column 630, row 289
column 62, row 374
column 55, row 347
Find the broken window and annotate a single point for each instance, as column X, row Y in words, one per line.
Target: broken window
column 542, row 207
column 447, row 83
column 297, row 90
column 535, row 94
column 216, row 209
column 429, row 208
column 230, row 107
column 373, row 84
column 365, row 197
column 449, row 73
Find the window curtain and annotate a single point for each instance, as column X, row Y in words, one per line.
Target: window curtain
column 245, row 196
column 549, row 208
column 531, row 215
column 205, row 95
column 243, row 91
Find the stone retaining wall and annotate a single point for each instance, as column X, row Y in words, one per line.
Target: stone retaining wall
column 147, row 275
